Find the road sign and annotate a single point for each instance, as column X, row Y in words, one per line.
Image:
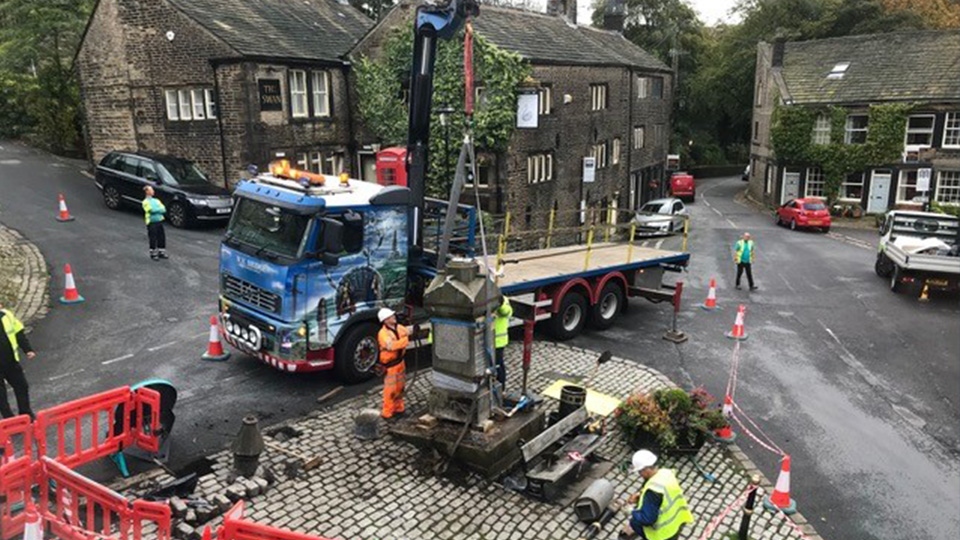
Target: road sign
column 923, row 179
column 589, row 169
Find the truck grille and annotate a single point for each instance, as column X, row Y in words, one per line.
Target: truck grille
column 248, row 293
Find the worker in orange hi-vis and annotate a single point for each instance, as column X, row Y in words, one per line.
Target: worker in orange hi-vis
column 393, row 339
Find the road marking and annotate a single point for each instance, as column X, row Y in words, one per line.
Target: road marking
column 85, row 173
column 117, row 359
column 732, row 224
column 65, row 375
column 850, row 240
column 198, row 336
column 787, row 283
column 719, row 213
column 162, row 346
column 659, row 243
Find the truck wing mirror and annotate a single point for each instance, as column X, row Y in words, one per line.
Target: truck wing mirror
column 332, row 242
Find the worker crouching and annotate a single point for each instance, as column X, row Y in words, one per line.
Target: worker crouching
column 661, row 509
column 393, row 339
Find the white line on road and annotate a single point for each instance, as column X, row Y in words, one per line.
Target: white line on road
column 198, row 336
column 659, row 243
column 87, row 174
column 65, row 375
column 117, row 359
column 162, row 346
column 732, row 224
column 787, row 283
column 719, row 213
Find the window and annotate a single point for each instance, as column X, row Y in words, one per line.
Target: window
column 948, row 187
column 821, row 130
column 479, row 96
column 951, row 130
column 650, row 87
column 302, row 162
column 129, row 165
column 656, row 87
column 815, row 183
column 852, row 187
column 756, row 131
column 643, row 87
column 211, row 104
column 298, row 94
column 190, row 104
column 539, row 168
column 907, row 187
column 638, row 137
column 352, row 231
column 759, row 94
column 615, row 157
column 920, row 130
column 328, row 163
column 485, row 175
column 321, row 93
column 199, row 107
column 185, row 107
column 856, row 129
column 546, row 100
column 770, row 174
column 600, row 154
column 838, row 70
column 598, row 97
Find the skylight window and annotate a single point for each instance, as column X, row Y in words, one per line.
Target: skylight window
column 838, row 70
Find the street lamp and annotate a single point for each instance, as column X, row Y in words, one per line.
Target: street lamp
column 445, row 119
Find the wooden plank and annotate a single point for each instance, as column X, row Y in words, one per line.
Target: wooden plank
column 527, row 266
column 553, row 434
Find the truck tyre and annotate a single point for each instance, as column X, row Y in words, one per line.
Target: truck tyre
column 357, row 352
column 608, row 306
column 883, row 266
column 569, row 320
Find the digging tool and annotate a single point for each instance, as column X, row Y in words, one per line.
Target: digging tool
column 329, row 394
column 308, row 463
column 605, row 357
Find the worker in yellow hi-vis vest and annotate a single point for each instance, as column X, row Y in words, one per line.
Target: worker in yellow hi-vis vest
column 661, row 509
column 153, row 215
column 14, row 340
column 501, row 338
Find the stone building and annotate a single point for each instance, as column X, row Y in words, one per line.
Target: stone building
column 225, row 83
column 599, row 96
column 921, row 69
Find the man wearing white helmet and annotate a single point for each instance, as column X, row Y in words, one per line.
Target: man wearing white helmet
column 661, row 509
column 393, row 339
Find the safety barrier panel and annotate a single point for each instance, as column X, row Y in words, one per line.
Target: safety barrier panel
column 16, row 472
column 235, row 528
column 86, row 429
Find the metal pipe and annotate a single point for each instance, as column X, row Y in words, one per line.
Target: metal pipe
column 586, row 259
column 686, row 232
column 553, row 215
column 748, row 508
column 633, row 233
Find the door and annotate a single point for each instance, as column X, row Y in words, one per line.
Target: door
column 128, row 179
column 791, row 186
column 368, row 167
column 879, row 192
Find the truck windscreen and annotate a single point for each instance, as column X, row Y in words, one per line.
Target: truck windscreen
column 269, row 228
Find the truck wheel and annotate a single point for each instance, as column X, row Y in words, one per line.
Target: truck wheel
column 895, row 276
column 357, row 353
column 608, row 306
column 883, row 266
column 569, row 320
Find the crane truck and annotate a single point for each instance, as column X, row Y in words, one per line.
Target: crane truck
column 308, row 259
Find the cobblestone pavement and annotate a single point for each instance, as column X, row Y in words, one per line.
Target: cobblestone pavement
column 378, row 490
column 23, row 276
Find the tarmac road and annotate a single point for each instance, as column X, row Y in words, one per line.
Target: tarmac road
column 142, row 319
column 861, row 386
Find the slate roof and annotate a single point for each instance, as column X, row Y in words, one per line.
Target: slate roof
column 287, row 29
column 541, row 38
column 901, row 66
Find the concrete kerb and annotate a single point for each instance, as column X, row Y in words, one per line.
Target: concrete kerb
column 339, row 499
column 29, row 285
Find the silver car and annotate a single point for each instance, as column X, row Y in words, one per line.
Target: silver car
column 661, row 216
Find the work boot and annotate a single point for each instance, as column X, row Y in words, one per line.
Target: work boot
column 753, row 287
column 153, row 255
column 162, row 254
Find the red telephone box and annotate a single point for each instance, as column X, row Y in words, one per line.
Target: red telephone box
column 392, row 166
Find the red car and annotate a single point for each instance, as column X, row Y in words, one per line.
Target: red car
column 683, row 187
column 804, row 213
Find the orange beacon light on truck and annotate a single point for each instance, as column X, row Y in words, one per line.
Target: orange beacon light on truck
column 281, row 169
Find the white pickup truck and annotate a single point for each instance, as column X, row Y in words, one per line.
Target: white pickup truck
column 919, row 249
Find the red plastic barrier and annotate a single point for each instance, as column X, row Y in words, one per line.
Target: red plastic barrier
column 104, row 513
column 16, row 472
column 145, row 513
column 99, row 425
column 235, row 528
column 15, row 429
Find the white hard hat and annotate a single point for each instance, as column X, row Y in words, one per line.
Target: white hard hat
column 643, row 459
column 385, row 313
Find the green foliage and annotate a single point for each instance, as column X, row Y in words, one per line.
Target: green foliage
column 380, row 84
column 38, row 39
column 674, row 416
column 375, row 9
column 792, row 139
column 949, row 209
column 641, row 413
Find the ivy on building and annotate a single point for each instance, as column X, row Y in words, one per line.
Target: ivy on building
column 382, row 85
column 792, row 139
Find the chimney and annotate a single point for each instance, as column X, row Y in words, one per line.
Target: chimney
column 777, row 60
column 565, row 8
column 614, row 15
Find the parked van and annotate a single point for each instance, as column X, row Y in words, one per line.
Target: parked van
column 683, row 187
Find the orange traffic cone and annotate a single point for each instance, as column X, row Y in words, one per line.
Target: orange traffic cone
column 64, row 214
column 780, row 498
column 726, row 434
column 738, row 331
column 32, row 526
column 70, row 294
column 215, row 352
column 711, row 302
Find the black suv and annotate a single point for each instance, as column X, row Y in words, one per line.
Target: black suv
column 182, row 187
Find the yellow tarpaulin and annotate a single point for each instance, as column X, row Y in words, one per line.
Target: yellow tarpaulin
column 597, row 403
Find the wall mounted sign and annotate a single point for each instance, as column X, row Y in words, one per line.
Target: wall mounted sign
column 271, row 98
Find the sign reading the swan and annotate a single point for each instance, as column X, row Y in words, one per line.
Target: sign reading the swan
column 271, row 98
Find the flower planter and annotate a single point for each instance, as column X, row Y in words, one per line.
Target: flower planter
column 686, row 449
column 644, row 440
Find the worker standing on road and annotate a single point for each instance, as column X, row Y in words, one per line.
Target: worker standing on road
column 661, row 509
column 393, row 339
column 14, row 339
column 501, row 329
column 153, row 215
column 744, row 251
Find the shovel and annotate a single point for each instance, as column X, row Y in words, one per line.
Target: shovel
column 605, row 357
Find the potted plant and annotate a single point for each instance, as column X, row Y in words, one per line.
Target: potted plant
column 643, row 423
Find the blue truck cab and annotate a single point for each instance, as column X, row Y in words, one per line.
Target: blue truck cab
column 304, row 265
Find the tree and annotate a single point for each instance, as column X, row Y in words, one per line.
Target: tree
column 38, row 39
column 936, row 13
column 375, row 9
